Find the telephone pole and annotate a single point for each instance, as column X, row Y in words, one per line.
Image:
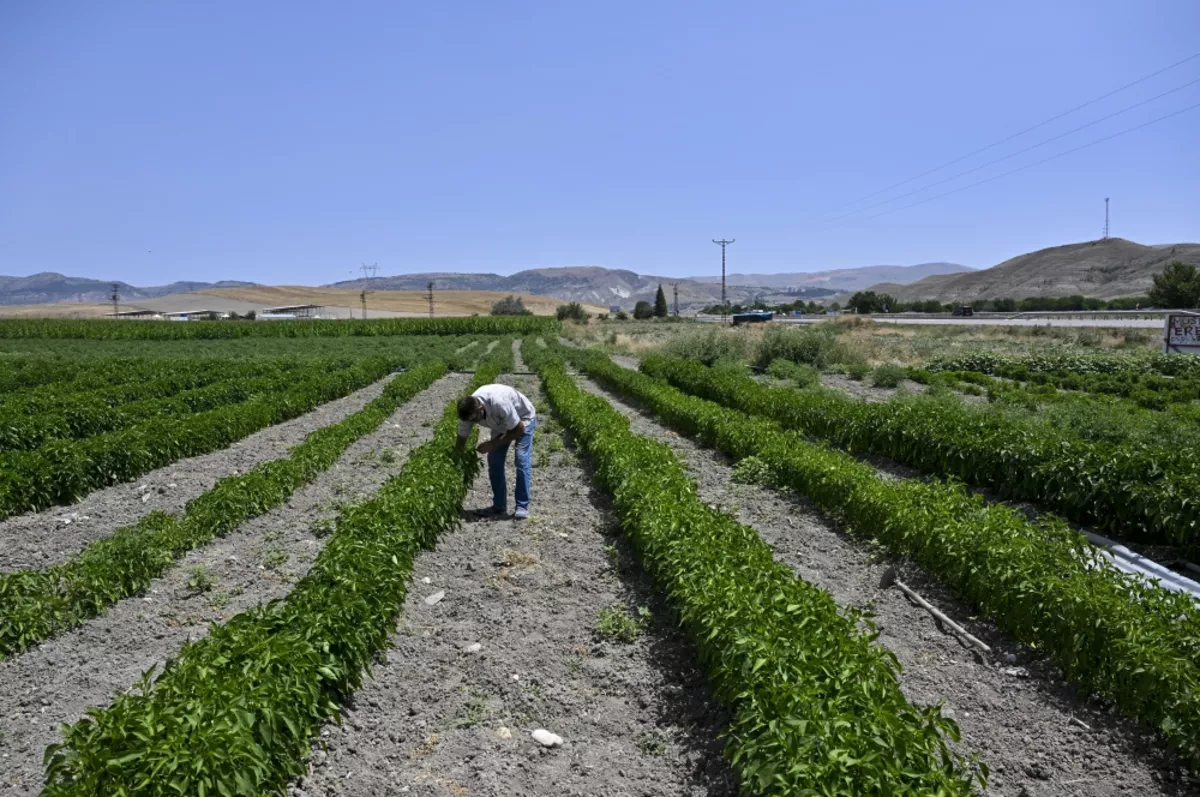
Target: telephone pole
column 368, row 271
column 431, row 300
column 675, row 287
column 1106, row 218
column 116, row 299
column 724, row 302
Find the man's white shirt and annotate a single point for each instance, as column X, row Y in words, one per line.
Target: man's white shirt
column 503, row 408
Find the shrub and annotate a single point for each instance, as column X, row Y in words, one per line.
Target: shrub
column 816, row 346
column 622, row 315
column 857, row 371
column 800, row 375
column 643, row 310
column 510, row 305
column 707, row 345
column 571, row 312
column 888, row 375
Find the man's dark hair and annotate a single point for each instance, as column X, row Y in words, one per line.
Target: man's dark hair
column 466, row 407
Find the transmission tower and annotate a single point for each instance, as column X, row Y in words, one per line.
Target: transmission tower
column 1106, row 218
column 675, row 287
column 368, row 271
column 116, row 299
column 430, row 296
column 724, row 302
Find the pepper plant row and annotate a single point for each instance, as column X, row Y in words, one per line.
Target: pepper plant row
column 35, row 604
column 44, row 378
column 156, row 379
column 86, row 415
column 1135, row 644
column 62, row 471
column 1138, row 492
column 213, row 330
column 235, row 713
column 815, row 707
column 1066, row 361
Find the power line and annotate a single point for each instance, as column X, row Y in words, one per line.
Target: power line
column 1028, row 129
column 1018, row 152
column 1038, row 163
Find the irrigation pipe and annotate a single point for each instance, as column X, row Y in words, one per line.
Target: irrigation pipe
column 1138, row 565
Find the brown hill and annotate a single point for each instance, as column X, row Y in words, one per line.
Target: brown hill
column 340, row 302
column 1104, row 269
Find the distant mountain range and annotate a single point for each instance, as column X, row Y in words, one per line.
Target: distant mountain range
column 51, row 287
column 842, row 279
column 1103, row 269
column 603, row 286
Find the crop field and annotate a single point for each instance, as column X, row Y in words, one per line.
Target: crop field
column 239, row 559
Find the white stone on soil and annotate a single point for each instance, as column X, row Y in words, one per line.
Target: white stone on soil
column 474, row 647
column 435, row 597
column 504, row 733
column 547, row 739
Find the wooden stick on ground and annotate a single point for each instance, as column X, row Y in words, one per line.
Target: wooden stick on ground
column 889, row 578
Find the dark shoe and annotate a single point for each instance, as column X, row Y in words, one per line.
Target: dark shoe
column 491, row 512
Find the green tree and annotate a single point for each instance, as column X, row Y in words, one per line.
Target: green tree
column 510, row 305
column 660, row 303
column 571, row 312
column 643, row 310
column 1178, row 286
column 870, row 302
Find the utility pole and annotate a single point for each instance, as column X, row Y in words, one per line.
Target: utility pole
column 431, row 300
column 675, row 287
column 724, row 302
column 368, row 275
column 116, row 299
column 1106, row 218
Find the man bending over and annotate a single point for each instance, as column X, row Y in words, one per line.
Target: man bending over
column 511, row 417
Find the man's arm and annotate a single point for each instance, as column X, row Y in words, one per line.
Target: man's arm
column 503, row 440
column 464, row 431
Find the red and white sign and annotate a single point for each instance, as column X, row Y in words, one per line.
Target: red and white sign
column 1182, row 333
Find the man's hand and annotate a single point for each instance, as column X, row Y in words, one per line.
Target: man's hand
column 503, row 440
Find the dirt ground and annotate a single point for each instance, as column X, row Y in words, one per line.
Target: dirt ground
column 41, row 539
column 56, row 681
column 865, row 390
column 1012, row 709
column 442, row 717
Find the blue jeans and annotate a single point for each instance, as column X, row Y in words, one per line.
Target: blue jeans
column 495, row 459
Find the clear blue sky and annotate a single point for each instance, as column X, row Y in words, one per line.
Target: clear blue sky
column 286, row 142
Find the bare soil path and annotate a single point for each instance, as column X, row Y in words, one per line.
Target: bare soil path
column 57, row 681
column 443, row 717
column 44, row 538
column 1013, row 710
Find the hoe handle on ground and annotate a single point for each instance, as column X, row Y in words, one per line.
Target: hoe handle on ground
column 889, row 578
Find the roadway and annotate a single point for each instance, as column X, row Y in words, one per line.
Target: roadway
column 1052, row 321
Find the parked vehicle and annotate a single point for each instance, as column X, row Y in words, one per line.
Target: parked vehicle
column 753, row 317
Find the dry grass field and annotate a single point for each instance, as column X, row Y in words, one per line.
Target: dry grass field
column 342, row 302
